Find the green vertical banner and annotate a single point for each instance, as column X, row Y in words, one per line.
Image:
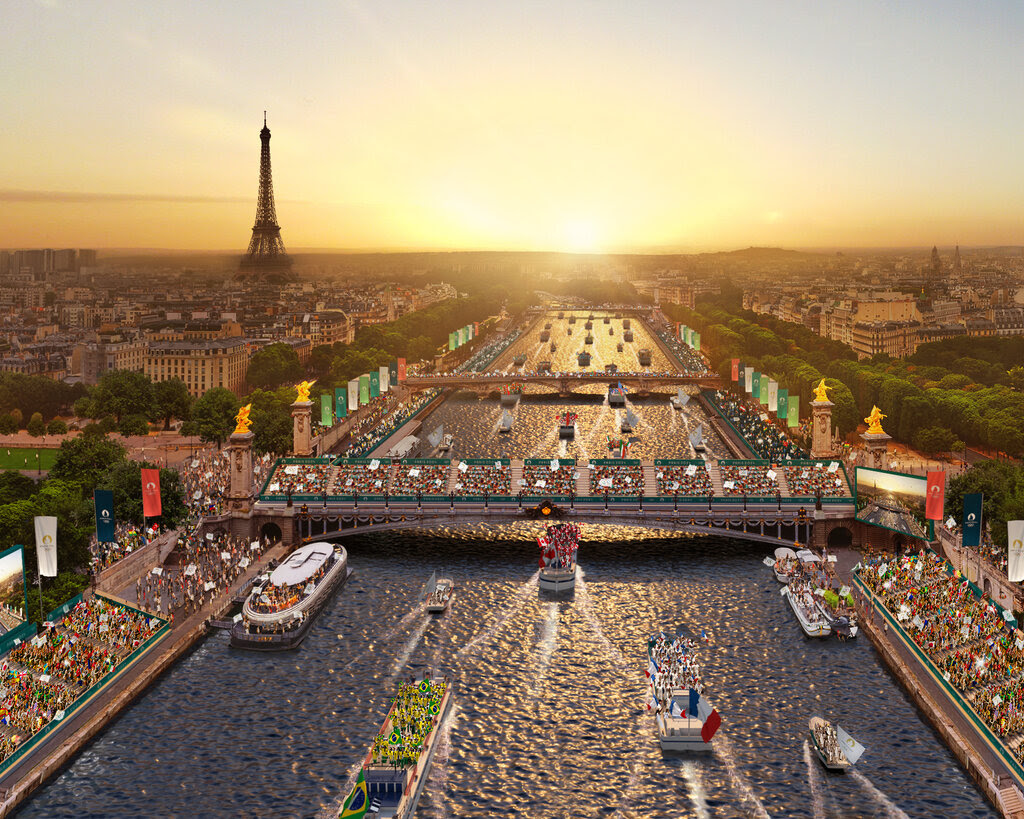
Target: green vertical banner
column 451, row 341
column 393, row 374
column 364, row 389
column 687, row 334
column 326, row 410
column 340, row 402
column 755, row 386
column 374, row 384
column 783, row 411
column 469, row 332
column 682, row 332
column 794, row 411
column 763, row 397
column 696, row 342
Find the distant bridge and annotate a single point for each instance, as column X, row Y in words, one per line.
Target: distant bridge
column 772, row 523
column 564, row 382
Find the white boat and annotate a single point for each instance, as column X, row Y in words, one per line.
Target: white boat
column 784, row 563
column 697, row 439
column 446, row 443
column 439, row 597
column 826, row 745
column 807, row 613
column 557, row 580
column 506, row 422
column 679, row 400
column 681, row 733
column 629, row 423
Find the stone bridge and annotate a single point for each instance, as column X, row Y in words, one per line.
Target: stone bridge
column 564, row 382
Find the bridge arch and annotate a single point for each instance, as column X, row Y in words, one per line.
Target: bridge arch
column 840, row 537
column 270, row 531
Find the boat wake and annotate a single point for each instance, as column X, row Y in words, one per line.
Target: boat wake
column 698, row 796
column 403, row 623
column 547, row 645
column 723, row 750
column 547, row 443
column 635, row 768
column 517, row 602
column 890, row 808
column 438, row 782
column 587, row 609
column 814, row 780
column 410, row 646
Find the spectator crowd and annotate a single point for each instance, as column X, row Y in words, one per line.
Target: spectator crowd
column 692, row 479
column 821, row 479
column 756, row 481
column 489, row 478
column 617, row 479
column 750, row 419
column 430, row 479
column 540, row 478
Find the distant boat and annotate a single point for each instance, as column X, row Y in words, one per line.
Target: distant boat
column 644, row 356
column 589, row 339
column 583, row 359
column 545, row 335
column 630, row 422
column 618, row 347
column 446, row 444
column 545, row 366
column 589, row 325
column 439, row 593
column 679, row 400
column 627, row 336
column 697, row 438
column 435, row 438
column 519, row 360
column 506, row 422
column 607, row 320
column 553, row 347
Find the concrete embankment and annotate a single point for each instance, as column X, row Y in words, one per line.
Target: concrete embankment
column 47, row 759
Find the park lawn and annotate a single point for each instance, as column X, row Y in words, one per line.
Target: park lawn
column 17, row 456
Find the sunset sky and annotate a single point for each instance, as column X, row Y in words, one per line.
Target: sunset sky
column 590, row 126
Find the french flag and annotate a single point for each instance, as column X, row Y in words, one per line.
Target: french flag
column 708, row 715
column 676, row 710
column 652, row 703
column 652, row 669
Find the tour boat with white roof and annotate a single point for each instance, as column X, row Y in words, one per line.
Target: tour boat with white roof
column 280, row 610
column 439, row 593
column 836, row 749
column 784, row 564
column 801, row 599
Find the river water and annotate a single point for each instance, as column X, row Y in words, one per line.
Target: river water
column 547, row 719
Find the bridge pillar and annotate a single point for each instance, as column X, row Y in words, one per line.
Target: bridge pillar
column 876, row 446
column 821, row 441
column 302, row 413
column 240, row 493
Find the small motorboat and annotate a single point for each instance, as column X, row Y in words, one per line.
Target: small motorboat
column 785, row 564
column 439, row 593
column 836, row 749
column 446, row 443
column 801, row 600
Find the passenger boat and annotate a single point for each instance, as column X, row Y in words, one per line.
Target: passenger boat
column 396, row 766
column 281, row 608
column 607, row 320
column 629, row 422
column 553, row 347
column 836, row 749
column 446, row 443
column 583, row 359
column 697, row 440
column 547, row 326
column 785, row 564
column 545, row 335
column 544, row 366
column 644, row 357
column 572, row 319
column 589, row 339
column 558, row 558
column 612, row 368
column 618, row 347
column 685, row 718
column 589, row 325
column 519, row 360
column 506, row 422
column 843, row 626
column 625, row 324
column 567, row 425
column 627, row 336
column 568, row 331
column 439, row 593
column 801, row 600
column 611, row 331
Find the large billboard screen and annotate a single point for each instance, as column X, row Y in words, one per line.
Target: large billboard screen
column 12, row 587
column 893, row 501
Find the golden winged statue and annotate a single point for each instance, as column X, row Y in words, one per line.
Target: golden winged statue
column 303, row 389
column 242, row 420
column 874, row 421
column 821, row 391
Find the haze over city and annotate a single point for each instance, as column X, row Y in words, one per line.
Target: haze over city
column 532, row 126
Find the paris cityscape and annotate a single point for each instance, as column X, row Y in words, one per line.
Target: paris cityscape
column 583, row 410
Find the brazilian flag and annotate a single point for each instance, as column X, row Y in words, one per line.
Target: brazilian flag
column 424, row 687
column 357, row 803
column 395, row 738
column 434, row 709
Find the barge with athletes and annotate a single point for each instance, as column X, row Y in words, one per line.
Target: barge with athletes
column 395, row 768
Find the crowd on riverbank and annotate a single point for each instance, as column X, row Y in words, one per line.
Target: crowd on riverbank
column 690, row 360
column 821, row 479
column 491, row 478
column 42, row 677
column 129, row 538
column 384, row 420
column 542, row 478
column 617, row 479
column 206, row 480
column 692, row 480
column 966, row 636
column 761, row 435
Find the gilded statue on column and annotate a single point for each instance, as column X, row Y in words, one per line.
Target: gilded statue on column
column 242, row 421
column 303, row 390
column 821, row 391
column 874, row 421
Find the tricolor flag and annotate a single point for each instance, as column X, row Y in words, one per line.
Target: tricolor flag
column 358, row 801
column 709, row 716
column 151, row 507
column 652, row 668
column 936, row 496
column 676, row 710
column 652, row 703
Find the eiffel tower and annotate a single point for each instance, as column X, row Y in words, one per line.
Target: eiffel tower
column 266, row 259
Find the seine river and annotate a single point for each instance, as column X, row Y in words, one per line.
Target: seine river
column 547, row 719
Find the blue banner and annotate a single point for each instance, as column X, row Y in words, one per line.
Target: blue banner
column 104, row 501
column 972, row 519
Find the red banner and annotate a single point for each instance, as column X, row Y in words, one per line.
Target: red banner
column 151, row 507
column 401, row 369
column 735, row 369
column 936, row 498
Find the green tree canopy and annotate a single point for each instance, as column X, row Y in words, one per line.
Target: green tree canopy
column 213, row 415
column 86, row 459
column 171, row 400
column 121, row 393
column 273, row 366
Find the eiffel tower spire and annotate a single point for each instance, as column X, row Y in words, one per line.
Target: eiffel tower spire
column 266, row 257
